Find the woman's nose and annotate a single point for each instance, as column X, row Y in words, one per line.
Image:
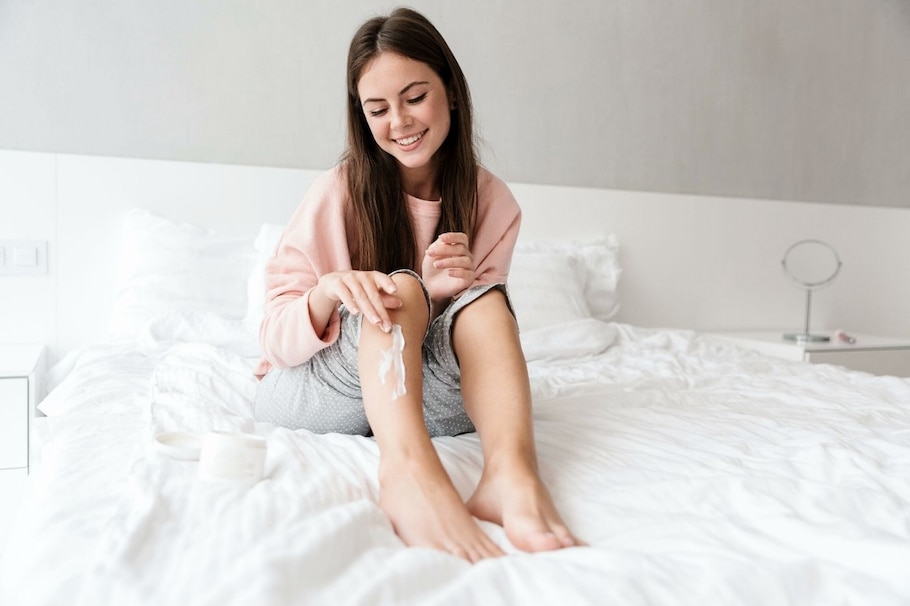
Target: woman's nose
column 400, row 119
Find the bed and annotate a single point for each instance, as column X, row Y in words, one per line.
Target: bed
column 698, row 473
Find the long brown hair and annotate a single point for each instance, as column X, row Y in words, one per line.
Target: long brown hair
column 380, row 234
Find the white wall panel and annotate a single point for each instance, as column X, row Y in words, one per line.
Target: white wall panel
column 28, row 304
column 699, row 262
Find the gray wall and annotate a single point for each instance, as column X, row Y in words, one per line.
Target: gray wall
column 783, row 99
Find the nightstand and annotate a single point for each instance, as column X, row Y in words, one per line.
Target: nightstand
column 21, row 385
column 21, row 375
column 872, row 354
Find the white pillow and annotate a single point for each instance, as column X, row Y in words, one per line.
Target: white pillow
column 191, row 326
column 102, row 379
column 577, row 339
column 265, row 245
column 167, row 266
column 600, row 269
column 550, row 281
column 546, row 289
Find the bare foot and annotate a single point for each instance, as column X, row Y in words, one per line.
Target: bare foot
column 426, row 510
column 515, row 498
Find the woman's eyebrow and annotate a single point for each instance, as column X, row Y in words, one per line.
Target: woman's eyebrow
column 400, row 93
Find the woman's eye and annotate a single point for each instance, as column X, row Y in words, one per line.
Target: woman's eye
column 417, row 100
column 377, row 112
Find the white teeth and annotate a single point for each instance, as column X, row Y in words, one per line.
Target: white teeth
column 409, row 140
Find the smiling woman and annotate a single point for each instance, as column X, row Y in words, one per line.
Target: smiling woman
column 417, row 65
column 409, row 124
column 399, row 257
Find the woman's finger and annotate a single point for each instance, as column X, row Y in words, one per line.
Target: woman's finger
column 462, row 273
column 448, row 244
column 374, row 290
column 365, row 297
column 462, row 261
column 391, row 301
column 385, row 282
column 349, row 293
column 453, row 237
column 373, row 295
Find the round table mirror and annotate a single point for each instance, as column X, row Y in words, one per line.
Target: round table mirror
column 811, row 264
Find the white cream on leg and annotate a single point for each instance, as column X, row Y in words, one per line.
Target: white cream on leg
column 392, row 360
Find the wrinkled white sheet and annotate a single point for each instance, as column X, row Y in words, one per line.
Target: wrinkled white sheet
column 699, row 474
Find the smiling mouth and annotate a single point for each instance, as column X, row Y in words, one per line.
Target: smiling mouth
column 410, row 140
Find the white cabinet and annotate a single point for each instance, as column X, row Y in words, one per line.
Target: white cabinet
column 21, row 372
column 872, row 354
column 13, row 423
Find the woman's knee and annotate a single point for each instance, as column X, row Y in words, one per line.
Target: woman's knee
column 489, row 311
column 411, row 293
column 492, row 304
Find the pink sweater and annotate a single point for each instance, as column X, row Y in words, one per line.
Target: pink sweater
column 315, row 243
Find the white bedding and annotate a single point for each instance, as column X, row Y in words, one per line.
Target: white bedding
column 697, row 472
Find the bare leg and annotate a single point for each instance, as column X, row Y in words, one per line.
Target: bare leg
column 416, row 493
column 497, row 398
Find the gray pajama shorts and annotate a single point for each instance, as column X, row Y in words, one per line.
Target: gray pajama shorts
column 323, row 394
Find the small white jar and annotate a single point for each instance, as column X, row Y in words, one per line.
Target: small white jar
column 232, row 457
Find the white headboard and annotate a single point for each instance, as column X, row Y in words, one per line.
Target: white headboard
column 688, row 261
column 713, row 263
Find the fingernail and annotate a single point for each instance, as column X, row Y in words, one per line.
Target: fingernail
column 386, row 327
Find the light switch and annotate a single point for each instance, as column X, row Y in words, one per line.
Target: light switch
column 23, row 257
column 26, row 256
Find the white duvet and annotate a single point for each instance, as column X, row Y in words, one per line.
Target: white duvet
column 697, row 472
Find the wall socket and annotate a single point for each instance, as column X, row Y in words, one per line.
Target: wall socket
column 23, row 257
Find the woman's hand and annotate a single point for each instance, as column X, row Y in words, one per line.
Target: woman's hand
column 370, row 293
column 448, row 266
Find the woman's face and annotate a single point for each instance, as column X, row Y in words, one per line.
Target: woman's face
column 408, row 110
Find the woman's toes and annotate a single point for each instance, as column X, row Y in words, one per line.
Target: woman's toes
column 566, row 539
column 541, row 541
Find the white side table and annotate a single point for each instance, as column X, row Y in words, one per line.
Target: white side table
column 21, row 376
column 872, row 354
column 21, row 387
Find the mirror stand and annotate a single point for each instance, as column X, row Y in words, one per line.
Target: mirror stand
column 812, row 264
column 806, row 336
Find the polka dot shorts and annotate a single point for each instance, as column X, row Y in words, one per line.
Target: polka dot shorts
column 323, row 395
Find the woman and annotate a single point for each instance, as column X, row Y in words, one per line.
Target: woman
column 387, row 313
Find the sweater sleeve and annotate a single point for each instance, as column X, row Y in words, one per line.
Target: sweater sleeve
column 314, row 243
column 498, row 223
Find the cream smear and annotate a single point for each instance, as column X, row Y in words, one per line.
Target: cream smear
column 393, row 361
